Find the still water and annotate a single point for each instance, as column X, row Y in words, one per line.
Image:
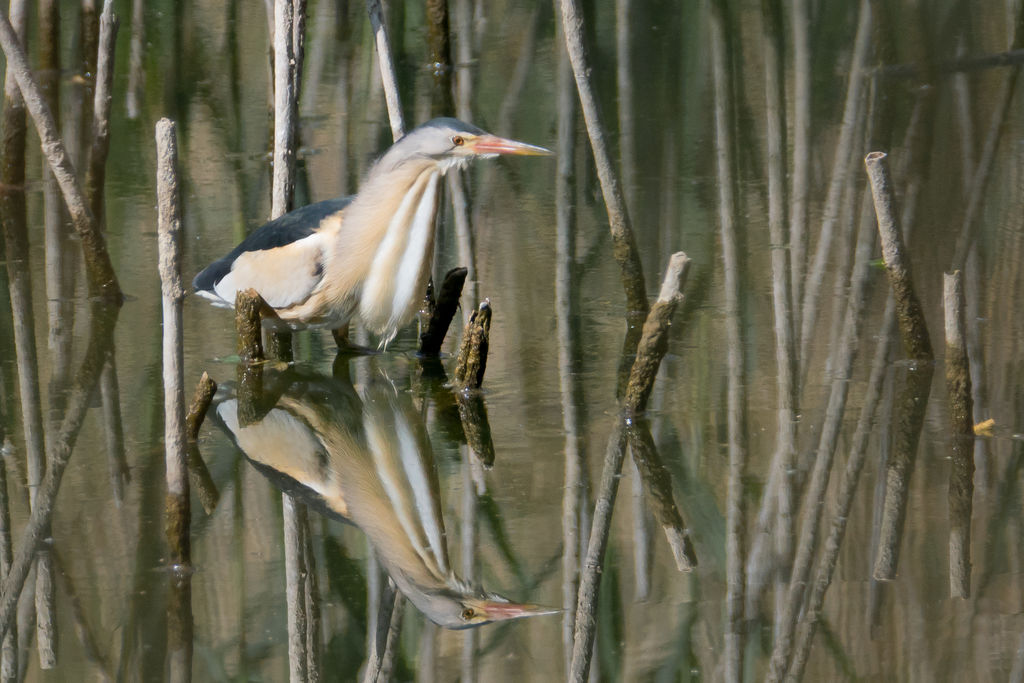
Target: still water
column 518, row 528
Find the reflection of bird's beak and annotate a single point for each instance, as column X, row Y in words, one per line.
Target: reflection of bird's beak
column 495, row 610
column 492, row 144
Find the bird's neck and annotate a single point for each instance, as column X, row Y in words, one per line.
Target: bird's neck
column 391, row 224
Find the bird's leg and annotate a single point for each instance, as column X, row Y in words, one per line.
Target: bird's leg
column 340, row 335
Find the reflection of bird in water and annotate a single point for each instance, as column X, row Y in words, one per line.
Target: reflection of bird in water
column 370, row 463
column 368, row 255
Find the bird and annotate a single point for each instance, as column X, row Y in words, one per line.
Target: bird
column 368, row 461
column 366, row 256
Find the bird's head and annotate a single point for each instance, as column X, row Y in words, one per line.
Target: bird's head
column 450, row 142
column 461, row 609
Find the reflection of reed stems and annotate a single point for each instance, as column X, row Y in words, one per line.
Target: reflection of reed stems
column 9, row 653
column 651, row 345
column 102, row 279
column 78, row 617
column 736, row 418
column 801, row 152
column 439, row 46
column 295, row 531
column 96, row 164
column 385, row 638
column 814, row 496
column 979, row 180
column 104, row 317
column 625, row 250
column 844, row 499
column 837, row 182
column 961, row 409
column 175, row 452
column 780, row 485
column 567, row 333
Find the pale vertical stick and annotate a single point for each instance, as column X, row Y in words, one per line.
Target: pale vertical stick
column 177, row 510
column 169, row 231
column 284, row 109
column 566, row 332
column 847, row 489
column 294, row 515
column 387, row 68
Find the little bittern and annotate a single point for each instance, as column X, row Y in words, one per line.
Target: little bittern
column 366, row 256
column 368, row 462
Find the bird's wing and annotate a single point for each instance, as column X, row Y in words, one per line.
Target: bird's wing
column 285, row 445
column 282, row 260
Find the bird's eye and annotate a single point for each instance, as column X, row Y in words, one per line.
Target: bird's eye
column 458, row 141
column 467, row 614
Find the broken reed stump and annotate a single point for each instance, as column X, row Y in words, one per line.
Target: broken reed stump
column 961, row 409
column 469, row 375
column 654, row 340
column 199, row 475
column 472, row 362
column 442, row 310
column 912, row 400
column 248, row 323
column 169, row 235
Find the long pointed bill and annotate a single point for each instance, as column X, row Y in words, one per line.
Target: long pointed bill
column 502, row 611
column 492, row 144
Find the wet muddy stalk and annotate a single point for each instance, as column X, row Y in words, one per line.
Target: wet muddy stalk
column 472, row 361
column 961, row 413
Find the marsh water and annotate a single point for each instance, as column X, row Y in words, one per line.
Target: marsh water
column 519, row 526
